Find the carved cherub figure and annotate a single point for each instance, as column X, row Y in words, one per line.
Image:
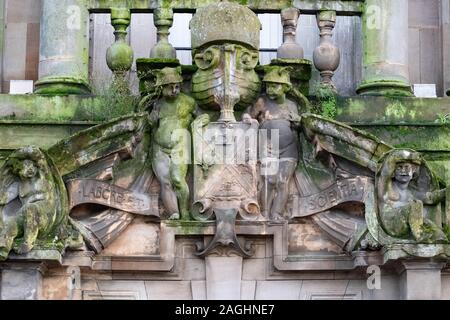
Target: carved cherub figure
column 404, row 187
column 30, row 207
column 171, row 118
column 278, row 116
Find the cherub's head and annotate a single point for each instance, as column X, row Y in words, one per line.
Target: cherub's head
column 26, row 162
column 170, row 80
column 28, row 169
column 171, row 90
column 277, row 82
column 275, row 90
column 404, row 172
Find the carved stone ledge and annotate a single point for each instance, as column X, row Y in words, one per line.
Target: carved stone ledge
column 281, row 259
column 411, row 251
column 416, row 264
column 163, row 262
column 38, row 255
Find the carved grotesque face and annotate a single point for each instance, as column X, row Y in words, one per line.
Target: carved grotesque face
column 28, row 169
column 404, row 172
column 275, row 90
column 171, row 90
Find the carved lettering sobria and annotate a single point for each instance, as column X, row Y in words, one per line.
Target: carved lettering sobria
column 342, row 191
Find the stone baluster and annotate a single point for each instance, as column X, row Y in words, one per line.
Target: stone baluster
column 163, row 20
column 290, row 49
column 119, row 56
column 385, row 42
column 64, row 48
column 326, row 56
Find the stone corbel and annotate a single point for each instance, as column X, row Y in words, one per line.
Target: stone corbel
column 225, row 239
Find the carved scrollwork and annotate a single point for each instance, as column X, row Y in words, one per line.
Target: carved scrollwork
column 208, row 59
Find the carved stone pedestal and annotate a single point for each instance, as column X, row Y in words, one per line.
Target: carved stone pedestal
column 22, row 281
column 420, row 280
column 223, row 277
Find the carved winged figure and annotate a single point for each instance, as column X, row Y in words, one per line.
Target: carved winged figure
column 409, row 198
column 33, row 202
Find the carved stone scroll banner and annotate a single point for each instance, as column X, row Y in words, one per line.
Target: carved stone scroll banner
column 345, row 190
column 93, row 191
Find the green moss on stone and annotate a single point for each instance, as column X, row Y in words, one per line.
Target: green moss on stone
column 325, row 103
column 396, row 110
column 190, row 227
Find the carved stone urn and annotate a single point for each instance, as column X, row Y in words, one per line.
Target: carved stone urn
column 225, row 43
column 326, row 56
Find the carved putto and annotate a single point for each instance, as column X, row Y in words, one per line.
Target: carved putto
column 171, row 117
column 409, row 198
column 279, row 119
column 33, row 204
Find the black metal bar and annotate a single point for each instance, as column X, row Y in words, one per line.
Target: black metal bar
column 260, row 50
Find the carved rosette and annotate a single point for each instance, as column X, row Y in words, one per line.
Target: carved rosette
column 326, row 56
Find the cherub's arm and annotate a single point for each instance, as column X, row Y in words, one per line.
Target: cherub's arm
column 294, row 117
column 385, row 182
column 201, row 118
column 433, row 197
column 154, row 115
column 252, row 112
column 8, row 195
column 196, row 110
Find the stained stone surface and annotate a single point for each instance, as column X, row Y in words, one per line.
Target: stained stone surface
column 339, row 207
column 140, row 238
column 307, row 237
column 21, row 284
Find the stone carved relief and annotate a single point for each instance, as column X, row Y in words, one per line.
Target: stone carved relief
column 171, row 117
column 225, row 50
column 33, row 205
column 409, row 198
column 360, row 192
column 278, row 118
column 109, row 177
